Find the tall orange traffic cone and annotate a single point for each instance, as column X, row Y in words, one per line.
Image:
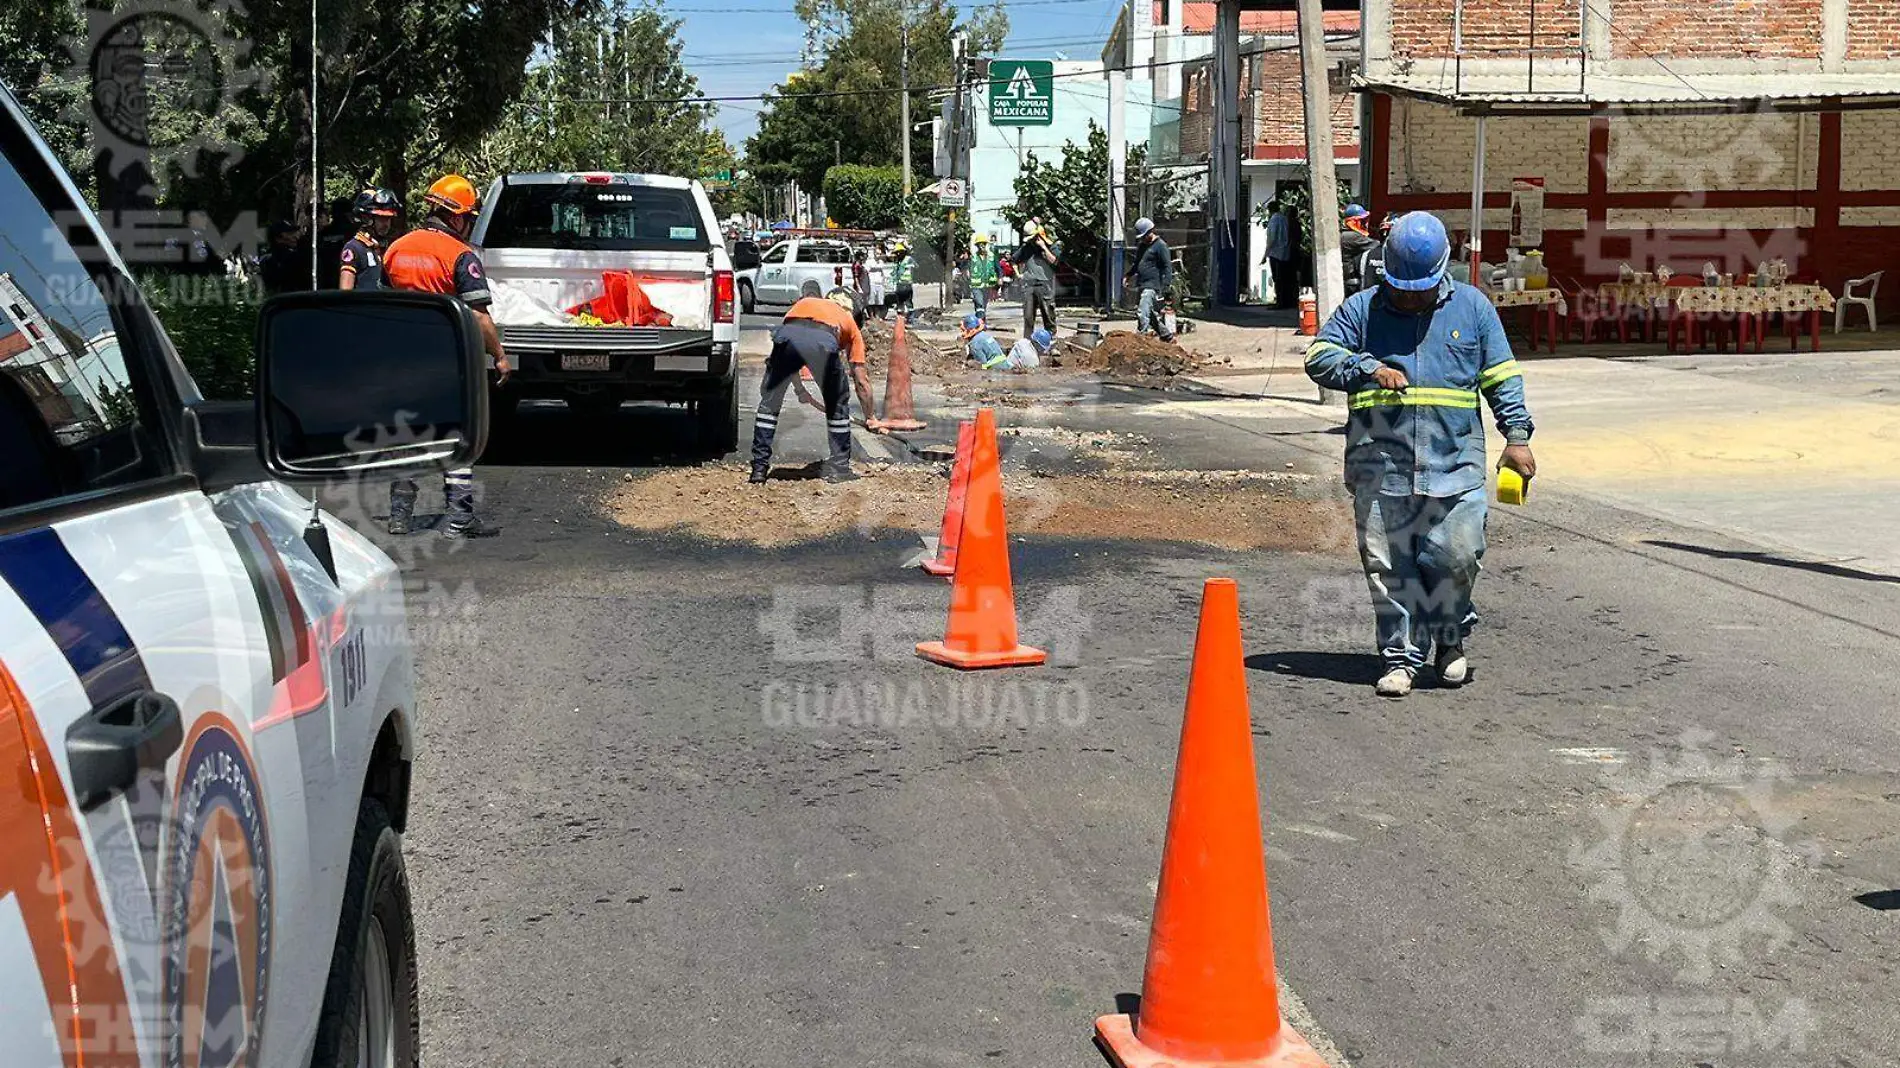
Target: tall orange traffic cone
column 900, row 412
column 952, row 530
column 982, row 628
column 1207, row 996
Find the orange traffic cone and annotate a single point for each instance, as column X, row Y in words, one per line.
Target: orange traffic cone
column 900, row 412
column 1208, row 996
column 952, row 530
column 982, row 628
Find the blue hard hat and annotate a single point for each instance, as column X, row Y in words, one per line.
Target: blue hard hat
column 972, row 322
column 1042, row 339
column 1356, row 211
column 1417, row 252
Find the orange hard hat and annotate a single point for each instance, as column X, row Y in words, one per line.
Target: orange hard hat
column 454, row 193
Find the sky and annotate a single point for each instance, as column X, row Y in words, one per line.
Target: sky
column 744, row 47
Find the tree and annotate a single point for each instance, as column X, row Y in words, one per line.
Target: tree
column 606, row 99
column 35, row 64
column 846, row 105
column 870, row 198
column 1071, row 198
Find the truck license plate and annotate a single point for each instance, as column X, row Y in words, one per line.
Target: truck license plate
column 586, row 361
column 680, row 363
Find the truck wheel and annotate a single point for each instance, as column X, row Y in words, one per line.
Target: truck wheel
column 370, row 1014
column 718, row 419
column 746, row 301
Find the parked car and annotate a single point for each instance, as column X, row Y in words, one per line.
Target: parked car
column 787, row 265
column 208, row 710
column 611, row 288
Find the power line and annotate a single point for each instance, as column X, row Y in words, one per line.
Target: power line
column 1671, row 71
column 770, row 98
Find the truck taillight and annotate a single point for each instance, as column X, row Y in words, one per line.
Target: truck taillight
column 722, row 297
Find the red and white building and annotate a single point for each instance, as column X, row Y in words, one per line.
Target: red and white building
column 1664, row 131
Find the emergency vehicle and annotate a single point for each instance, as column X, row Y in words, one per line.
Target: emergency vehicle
column 207, row 707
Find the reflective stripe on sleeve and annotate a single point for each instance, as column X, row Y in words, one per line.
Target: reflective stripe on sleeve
column 1318, row 347
column 1494, row 376
column 1417, row 396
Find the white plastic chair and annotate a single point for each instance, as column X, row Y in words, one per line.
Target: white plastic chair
column 1848, row 296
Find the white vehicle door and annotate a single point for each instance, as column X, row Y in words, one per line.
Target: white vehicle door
column 163, row 688
column 775, row 286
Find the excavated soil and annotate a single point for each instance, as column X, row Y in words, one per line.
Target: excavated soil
column 1127, row 355
column 1228, row 510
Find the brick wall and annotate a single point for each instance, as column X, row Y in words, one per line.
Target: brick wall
column 1873, row 29
column 1870, row 150
column 1197, row 119
column 1712, row 29
column 1715, row 29
column 1690, row 153
column 1423, row 27
column 1279, row 107
column 1431, row 151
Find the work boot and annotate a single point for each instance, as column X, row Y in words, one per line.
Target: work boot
column 1453, row 669
column 460, row 528
column 1395, row 683
column 841, row 474
column 759, row 476
column 402, row 507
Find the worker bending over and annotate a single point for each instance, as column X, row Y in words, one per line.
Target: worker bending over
column 1414, row 356
column 820, row 333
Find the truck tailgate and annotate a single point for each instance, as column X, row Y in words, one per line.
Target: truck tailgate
column 537, row 287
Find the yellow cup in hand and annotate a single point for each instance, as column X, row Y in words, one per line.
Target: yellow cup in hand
column 1512, row 489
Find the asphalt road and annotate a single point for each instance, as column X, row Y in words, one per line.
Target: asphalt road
column 1637, row 839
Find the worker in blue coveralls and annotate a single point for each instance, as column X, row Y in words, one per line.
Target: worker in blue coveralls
column 1414, row 355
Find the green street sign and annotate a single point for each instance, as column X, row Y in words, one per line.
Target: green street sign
column 1022, row 92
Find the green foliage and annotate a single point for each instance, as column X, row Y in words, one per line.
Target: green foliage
column 212, row 321
column 559, row 121
column 804, row 131
column 1070, row 197
column 869, row 198
column 923, row 228
column 34, row 63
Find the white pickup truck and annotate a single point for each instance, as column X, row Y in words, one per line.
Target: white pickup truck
column 610, row 288
column 786, row 266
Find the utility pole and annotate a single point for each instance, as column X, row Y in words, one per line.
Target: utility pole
column 903, row 76
column 957, row 44
column 1328, row 274
column 1117, row 171
column 1329, row 281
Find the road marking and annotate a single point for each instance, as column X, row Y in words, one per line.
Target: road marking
column 1590, row 755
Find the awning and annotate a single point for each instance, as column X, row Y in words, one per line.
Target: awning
column 1557, row 91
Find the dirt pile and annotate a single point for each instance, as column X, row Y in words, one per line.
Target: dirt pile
column 1127, row 355
column 716, row 503
column 926, row 357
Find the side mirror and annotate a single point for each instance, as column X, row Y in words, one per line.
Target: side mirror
column 390, row 383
